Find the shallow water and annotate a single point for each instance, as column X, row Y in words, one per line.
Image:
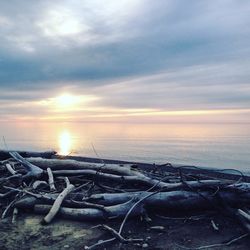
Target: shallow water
column 212, row 145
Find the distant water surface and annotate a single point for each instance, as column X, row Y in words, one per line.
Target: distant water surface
column 211, row 145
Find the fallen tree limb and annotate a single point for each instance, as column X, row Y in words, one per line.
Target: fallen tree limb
column 33, row 171
column 55, row 164
column 56, row 206
column 91, row 214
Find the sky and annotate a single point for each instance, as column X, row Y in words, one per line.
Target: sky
column 126, row 60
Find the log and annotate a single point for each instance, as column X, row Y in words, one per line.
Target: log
column 33, row 171
column 141, row 180
column 91, row 214
column 174, row 200
column 56, row 206
column 55, row 164
column 181, row 200
column 4, row 154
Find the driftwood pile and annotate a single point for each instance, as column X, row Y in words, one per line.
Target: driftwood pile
column 99, row 191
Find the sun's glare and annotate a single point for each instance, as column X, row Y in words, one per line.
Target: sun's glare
column 67, row 100
column 65, row 143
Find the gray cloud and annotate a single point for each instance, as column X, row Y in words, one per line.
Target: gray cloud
column 131, row 53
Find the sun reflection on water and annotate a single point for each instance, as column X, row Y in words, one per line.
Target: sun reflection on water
column 65, row 143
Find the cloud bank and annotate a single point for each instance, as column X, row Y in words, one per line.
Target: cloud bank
column 134, row 56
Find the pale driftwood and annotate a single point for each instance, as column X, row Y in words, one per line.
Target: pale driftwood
column 48, row 199
column 90, row 214
column 244, row 214
column 244, row 218
column 39, row 184
column 51, row 180
column 10, row 169
column 115, row 172
column 55, row 164
column 33, row 171
column 142, row 179
column 56, row 206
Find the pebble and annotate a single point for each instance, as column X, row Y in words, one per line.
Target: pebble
column 144, row 245
column 66, row 246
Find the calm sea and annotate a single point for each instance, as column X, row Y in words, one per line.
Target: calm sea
column 211, row 145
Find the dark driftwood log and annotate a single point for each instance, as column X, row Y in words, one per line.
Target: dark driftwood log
column 181, row 200
column 4, row 154
column 89, row 214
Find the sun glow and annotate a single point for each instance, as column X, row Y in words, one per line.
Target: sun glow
column 61, row 22
column 68, row 100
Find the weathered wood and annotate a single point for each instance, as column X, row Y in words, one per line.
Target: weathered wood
column 90, row 214
column 4, row 154
column 56, row 206
column 33, row 171
column 51, row 180
column 10, row 169
column 55, row 164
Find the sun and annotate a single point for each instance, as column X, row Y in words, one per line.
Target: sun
column 67, row 100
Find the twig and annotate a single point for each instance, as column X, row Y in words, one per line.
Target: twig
column 99, row 243
column 215, row 227
column 216, row 245
column 196, row 217
column 118, row 236
column 6, row 211
column 14, row 216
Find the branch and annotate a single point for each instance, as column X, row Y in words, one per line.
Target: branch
column 57, row 204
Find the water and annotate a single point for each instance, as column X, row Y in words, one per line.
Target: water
column 211, row 145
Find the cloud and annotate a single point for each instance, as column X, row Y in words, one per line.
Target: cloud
column 132, row 54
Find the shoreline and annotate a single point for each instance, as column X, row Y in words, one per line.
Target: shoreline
column 160, row 229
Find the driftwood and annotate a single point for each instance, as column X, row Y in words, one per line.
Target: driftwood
column 103, row 192
column 32, row 170
column 57, row 204
column 51, row 180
